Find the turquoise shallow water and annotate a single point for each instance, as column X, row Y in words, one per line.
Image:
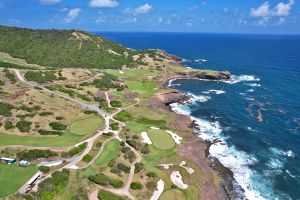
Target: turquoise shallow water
column 264, row 156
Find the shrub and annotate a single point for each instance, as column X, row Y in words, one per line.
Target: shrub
column 116, row 103
column 105, row 195
column 138, row 167
column 76, row 150
column 45, row 113
column 151, row 185
column 136, row 186
column 114, row 126
column 5, row 109
column 34, row 154
column 8, row 125
column 59, row 118
column 87, row 158
column 116, row 183
column 2, row 83
column 122, row 144
column 44, row 169
column 151, row 174
column 46, row 132
column 24, row 126
column 123, row 116
column 57, row 126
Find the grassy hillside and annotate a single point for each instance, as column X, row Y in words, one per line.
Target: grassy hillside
column 63, row 48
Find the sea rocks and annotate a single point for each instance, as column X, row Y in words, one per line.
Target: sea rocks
column 206, row 74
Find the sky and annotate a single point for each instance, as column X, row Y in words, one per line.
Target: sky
column 209, row 16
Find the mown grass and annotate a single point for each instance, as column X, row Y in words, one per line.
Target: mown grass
column 161, row 139
column 172, row 194
column 86, row 126
column 144, row 88
column 110, row 152
column 12, row 177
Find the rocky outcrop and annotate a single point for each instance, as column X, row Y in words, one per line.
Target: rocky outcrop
column 206, row 74
column 171, row 96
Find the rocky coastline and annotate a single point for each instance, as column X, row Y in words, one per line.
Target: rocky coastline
column 229, row 188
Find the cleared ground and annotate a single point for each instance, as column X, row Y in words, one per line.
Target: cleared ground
column 12, row 177
column 161, row 139
column 86, row 126
column 110, row 152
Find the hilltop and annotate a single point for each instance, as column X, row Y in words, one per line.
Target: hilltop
column 65, row 48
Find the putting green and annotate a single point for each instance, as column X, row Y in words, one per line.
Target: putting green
column 86, row 126
column 161, row 139
column 12, row 177
column 172, row 195
column 110, row 152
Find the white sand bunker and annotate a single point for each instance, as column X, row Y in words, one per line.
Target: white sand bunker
column 155, row 128
column 159, row 191
column 146, row 138
column 165, row 166
column 176, row 178
column 175, row 137
column 188, row 169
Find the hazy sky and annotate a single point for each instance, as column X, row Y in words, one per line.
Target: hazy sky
column 234, row 16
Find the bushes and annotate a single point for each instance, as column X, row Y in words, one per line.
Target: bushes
column 2, row 83
column 116, row 103
column 101, row 179
column 5, row 109
column 105, row 195
column 10, row 76
column 24, row 126
column 34, row 154
column 41, row 76
column 59, row 118
column 123, row 116
column 87, row 158
column 45, row 113
column 44, row 169
column 151, row 174
column 151, row 185
column 46, row 132
column 120, row 167
column 136, row 186
column 76, row 150
column 138, row 167
column 114, row 126
column 57, row 126
column 54, row 185
column 8, row 125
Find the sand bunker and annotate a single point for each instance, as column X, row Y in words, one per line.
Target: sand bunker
column 165, row 166
column 155, row 128
column 175, row 137
column 146, row 138
column 176, row 178
column 188, row 169
column 159, row 190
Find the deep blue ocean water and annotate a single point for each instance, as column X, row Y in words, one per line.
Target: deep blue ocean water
column 264, row 155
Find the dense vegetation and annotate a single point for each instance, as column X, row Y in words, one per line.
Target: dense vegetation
column 63, row 48
column 5, row 109
column 101, row 179
column 34, row 154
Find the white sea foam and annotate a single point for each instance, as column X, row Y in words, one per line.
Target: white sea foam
column 197, row 98
column 214, row 92
column 242, row 78
column 290, row 174
column 290, row 153
column 250, row 90
column 170, row 83
column 253, row 84
column 237, row 161
column 200, row 60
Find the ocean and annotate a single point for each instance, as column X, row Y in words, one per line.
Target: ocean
column 254, row 116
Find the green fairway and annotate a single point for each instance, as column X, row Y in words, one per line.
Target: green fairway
column 67, row 139
column 86, row 126
column 144, row 88
column 12, row 177
column 161, row 139
column 172, row 194
column 110, row 152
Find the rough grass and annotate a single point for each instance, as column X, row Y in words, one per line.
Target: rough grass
column 172, row 194
column 12, row 177
column 110, row 152
column 86, row 126
column 161, row 139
